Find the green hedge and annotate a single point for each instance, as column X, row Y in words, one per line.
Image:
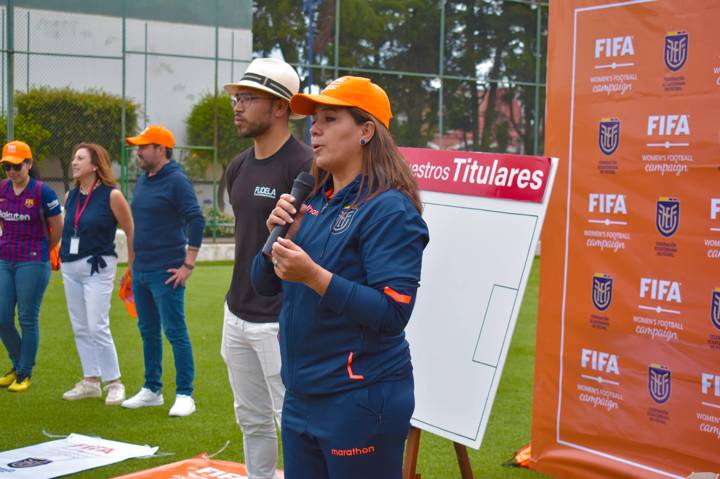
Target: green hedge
column 71, row 117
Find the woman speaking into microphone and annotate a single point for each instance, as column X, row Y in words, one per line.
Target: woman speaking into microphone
column 349, row 268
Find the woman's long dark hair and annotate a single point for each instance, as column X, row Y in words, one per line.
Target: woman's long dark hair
column 383, row 166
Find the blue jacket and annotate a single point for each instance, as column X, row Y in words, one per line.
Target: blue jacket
column 354, row 335
column 163, row 205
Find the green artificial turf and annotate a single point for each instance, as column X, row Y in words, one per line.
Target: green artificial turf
column 24, row 416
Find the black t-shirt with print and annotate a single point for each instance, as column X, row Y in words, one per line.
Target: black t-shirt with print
column 254, row 187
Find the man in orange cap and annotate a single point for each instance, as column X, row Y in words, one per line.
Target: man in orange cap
column 163, row 204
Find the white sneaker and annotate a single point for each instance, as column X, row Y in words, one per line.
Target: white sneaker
column 83, row 389
column 144, row 398
column 184, row 406
column 115, row 394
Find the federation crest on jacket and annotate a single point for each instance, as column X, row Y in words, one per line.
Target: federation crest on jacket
column 344, row 220
column 715, row 308
column 659, row 382
column 602, row 291
column 609, row 135
column 29, row 462
column 676, row 50
column 667, row 218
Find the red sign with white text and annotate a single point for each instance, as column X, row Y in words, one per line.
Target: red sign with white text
column 490, row 175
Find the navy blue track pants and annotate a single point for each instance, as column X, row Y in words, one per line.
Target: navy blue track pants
column 358, row 434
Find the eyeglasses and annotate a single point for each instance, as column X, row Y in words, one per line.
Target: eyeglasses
column 246, row 99
column 10, row 166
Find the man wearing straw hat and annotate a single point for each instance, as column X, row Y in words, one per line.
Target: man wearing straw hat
column 255, row 180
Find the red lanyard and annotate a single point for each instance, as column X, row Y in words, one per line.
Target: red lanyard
column 79, row 210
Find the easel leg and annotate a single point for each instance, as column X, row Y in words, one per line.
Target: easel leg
column 412, row 448
column 463, row 461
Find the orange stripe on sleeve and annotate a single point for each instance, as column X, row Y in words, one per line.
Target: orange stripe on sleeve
column 400, row 298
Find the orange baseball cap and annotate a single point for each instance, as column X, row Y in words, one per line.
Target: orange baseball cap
column 16, row 152
column 347, row 91
column 153, row 134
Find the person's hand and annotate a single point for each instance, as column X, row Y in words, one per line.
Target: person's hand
column 283, row 213
column 292, row 263
column 178, row 276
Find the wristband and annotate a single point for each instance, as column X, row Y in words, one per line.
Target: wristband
column 189, row 266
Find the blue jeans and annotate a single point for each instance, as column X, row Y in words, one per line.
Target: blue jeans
column 22, row 284
column 160, row 307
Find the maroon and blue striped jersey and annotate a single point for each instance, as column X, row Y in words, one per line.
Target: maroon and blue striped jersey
column 23, row 231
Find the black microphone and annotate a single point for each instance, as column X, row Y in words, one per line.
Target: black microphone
column 300, row 189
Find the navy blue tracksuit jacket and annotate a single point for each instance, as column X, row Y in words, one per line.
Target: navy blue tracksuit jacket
column 352, row 336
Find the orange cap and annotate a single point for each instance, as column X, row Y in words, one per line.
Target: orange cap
column 347, row 91
column 153, row 134
column 16, row 152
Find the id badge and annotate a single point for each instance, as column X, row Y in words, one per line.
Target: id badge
column 74, row 245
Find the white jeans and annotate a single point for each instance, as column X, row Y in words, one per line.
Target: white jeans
column 88, row 301
column 252, row 354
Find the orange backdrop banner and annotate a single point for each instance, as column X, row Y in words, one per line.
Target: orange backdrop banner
column 198, row 467
column 627, row 377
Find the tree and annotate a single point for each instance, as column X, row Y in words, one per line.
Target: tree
column 30, row 132
column 491, row 42
column 72, row 117
column 201, row 131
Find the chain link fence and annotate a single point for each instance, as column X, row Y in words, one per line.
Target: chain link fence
column 464, row 75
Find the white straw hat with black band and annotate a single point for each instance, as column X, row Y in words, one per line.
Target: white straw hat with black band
column 270, row 75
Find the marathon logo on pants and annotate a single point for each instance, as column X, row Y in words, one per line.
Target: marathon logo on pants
column 355, row 451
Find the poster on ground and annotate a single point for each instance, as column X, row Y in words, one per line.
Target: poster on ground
column 61, row 457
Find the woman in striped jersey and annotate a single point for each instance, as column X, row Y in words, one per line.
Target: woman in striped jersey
column 31, row 227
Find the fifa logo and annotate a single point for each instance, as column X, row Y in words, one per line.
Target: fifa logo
column 659, row 382
column 710, row 384
column 676, row 50
column 602, row 291
column 607, row 203
column 614, row 47
column 667, row 218
column 599, row 361
column 715, row 308
column 609, row 135
column 714, row 208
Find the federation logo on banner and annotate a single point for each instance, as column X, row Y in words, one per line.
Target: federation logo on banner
column 29, row 462
column 667, row 217
column 343, row 221
column 676, row 50
column 602, row 291
column 609, row 135
column 715, row 308
column 659, row 382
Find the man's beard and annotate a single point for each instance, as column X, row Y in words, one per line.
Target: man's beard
column 253, row 130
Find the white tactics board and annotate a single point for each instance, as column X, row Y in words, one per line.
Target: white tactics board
column 484, row 213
